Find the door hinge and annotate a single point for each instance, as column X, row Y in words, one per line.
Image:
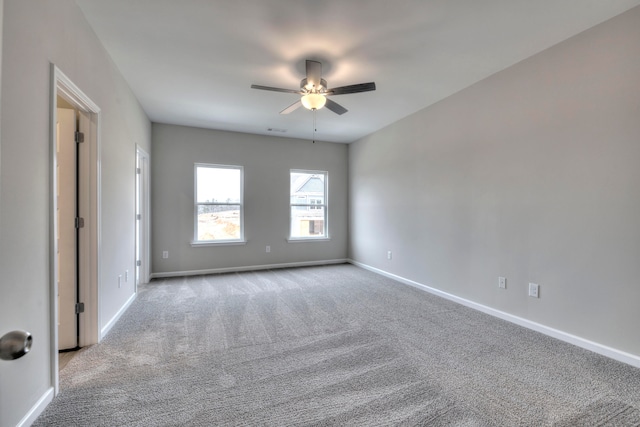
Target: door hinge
column 138, row 216
column 79, row 222
column 79, row 307
column 79, row 137
column 138, row 263
column 138, row 171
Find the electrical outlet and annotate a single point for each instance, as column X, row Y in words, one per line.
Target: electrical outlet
column 119, row 280
column 268, row 249
column 165, row 254
column 502, row 282
column 389, row 255
column 534, row 290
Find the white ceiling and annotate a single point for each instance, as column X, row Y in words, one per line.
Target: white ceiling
column 192, row 62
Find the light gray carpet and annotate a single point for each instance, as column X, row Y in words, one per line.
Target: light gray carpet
column 333, row 345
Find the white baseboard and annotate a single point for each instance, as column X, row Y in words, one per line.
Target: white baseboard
column 37, row 409
column 247, row 268
column 105, row 330
column 612, row 353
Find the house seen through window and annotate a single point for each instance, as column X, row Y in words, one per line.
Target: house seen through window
column 218, row 207
column 308, row 204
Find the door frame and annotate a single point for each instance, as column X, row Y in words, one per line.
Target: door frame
column 143, row 198
column 62, row 86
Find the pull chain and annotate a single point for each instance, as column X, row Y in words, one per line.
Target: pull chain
column 314, row 125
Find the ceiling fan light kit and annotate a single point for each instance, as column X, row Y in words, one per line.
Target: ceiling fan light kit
column 313, row 101
column 314, row 91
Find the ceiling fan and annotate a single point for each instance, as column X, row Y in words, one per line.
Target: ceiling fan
column 314, row 91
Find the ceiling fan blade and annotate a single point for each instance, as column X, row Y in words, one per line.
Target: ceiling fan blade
column 314, row 73
column 275, row 89
column 361, row 87
column 335, row 107
column 292, row 107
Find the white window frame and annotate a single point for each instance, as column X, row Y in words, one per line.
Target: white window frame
column 241, row 240
column 310, row 203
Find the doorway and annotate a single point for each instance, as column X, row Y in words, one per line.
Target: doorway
column 74, row 237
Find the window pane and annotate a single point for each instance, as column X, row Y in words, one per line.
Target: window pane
column 220, row 185
column 304, row 185
column 218, row 222
column 306, row 222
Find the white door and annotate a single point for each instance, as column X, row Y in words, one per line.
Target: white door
column 66, row 172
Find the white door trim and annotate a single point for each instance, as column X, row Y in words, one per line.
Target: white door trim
column 145, row 222
column 62, row 86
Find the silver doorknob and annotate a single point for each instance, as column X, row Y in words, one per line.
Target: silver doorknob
column 15, row 344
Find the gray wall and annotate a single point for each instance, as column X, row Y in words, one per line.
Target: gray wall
column 266, row 161
column 532, row 174
column 37, row 32
column 1, row 32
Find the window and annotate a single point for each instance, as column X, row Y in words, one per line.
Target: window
column 218, row 204
column 308, row 205
column 314, row 201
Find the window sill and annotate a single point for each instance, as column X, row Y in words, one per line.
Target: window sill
column 307, row 239
column 220, row 243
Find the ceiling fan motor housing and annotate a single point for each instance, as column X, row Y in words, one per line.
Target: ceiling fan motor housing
column 308, row 87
